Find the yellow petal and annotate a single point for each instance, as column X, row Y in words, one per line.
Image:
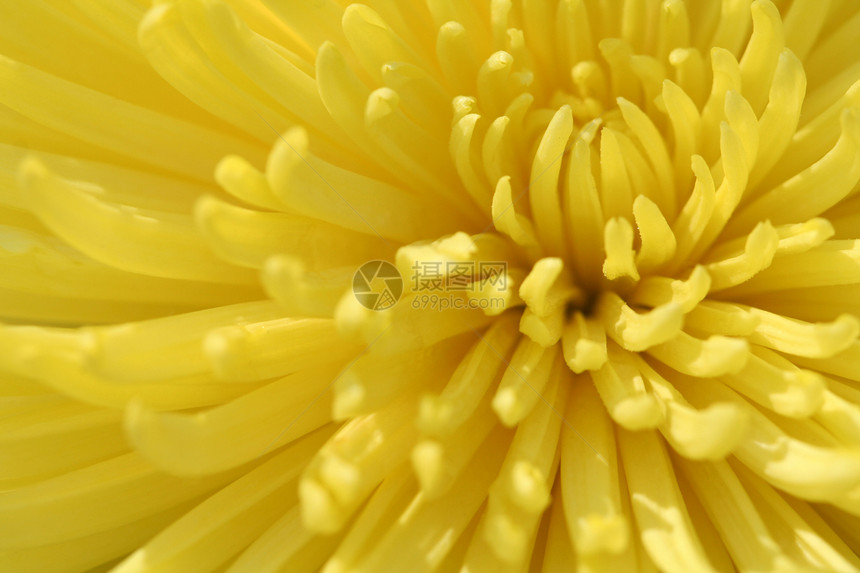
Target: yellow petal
column 661, row 516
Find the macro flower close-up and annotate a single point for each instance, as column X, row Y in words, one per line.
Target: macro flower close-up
column 406, row 286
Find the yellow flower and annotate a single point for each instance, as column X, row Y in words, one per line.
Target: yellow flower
column 626, row 234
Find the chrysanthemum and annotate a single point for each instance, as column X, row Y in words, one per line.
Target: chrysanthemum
column 665, row 374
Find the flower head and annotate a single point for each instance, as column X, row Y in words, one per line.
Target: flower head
column 508, row 285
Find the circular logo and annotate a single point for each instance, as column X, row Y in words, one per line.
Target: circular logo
column 377, row 285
